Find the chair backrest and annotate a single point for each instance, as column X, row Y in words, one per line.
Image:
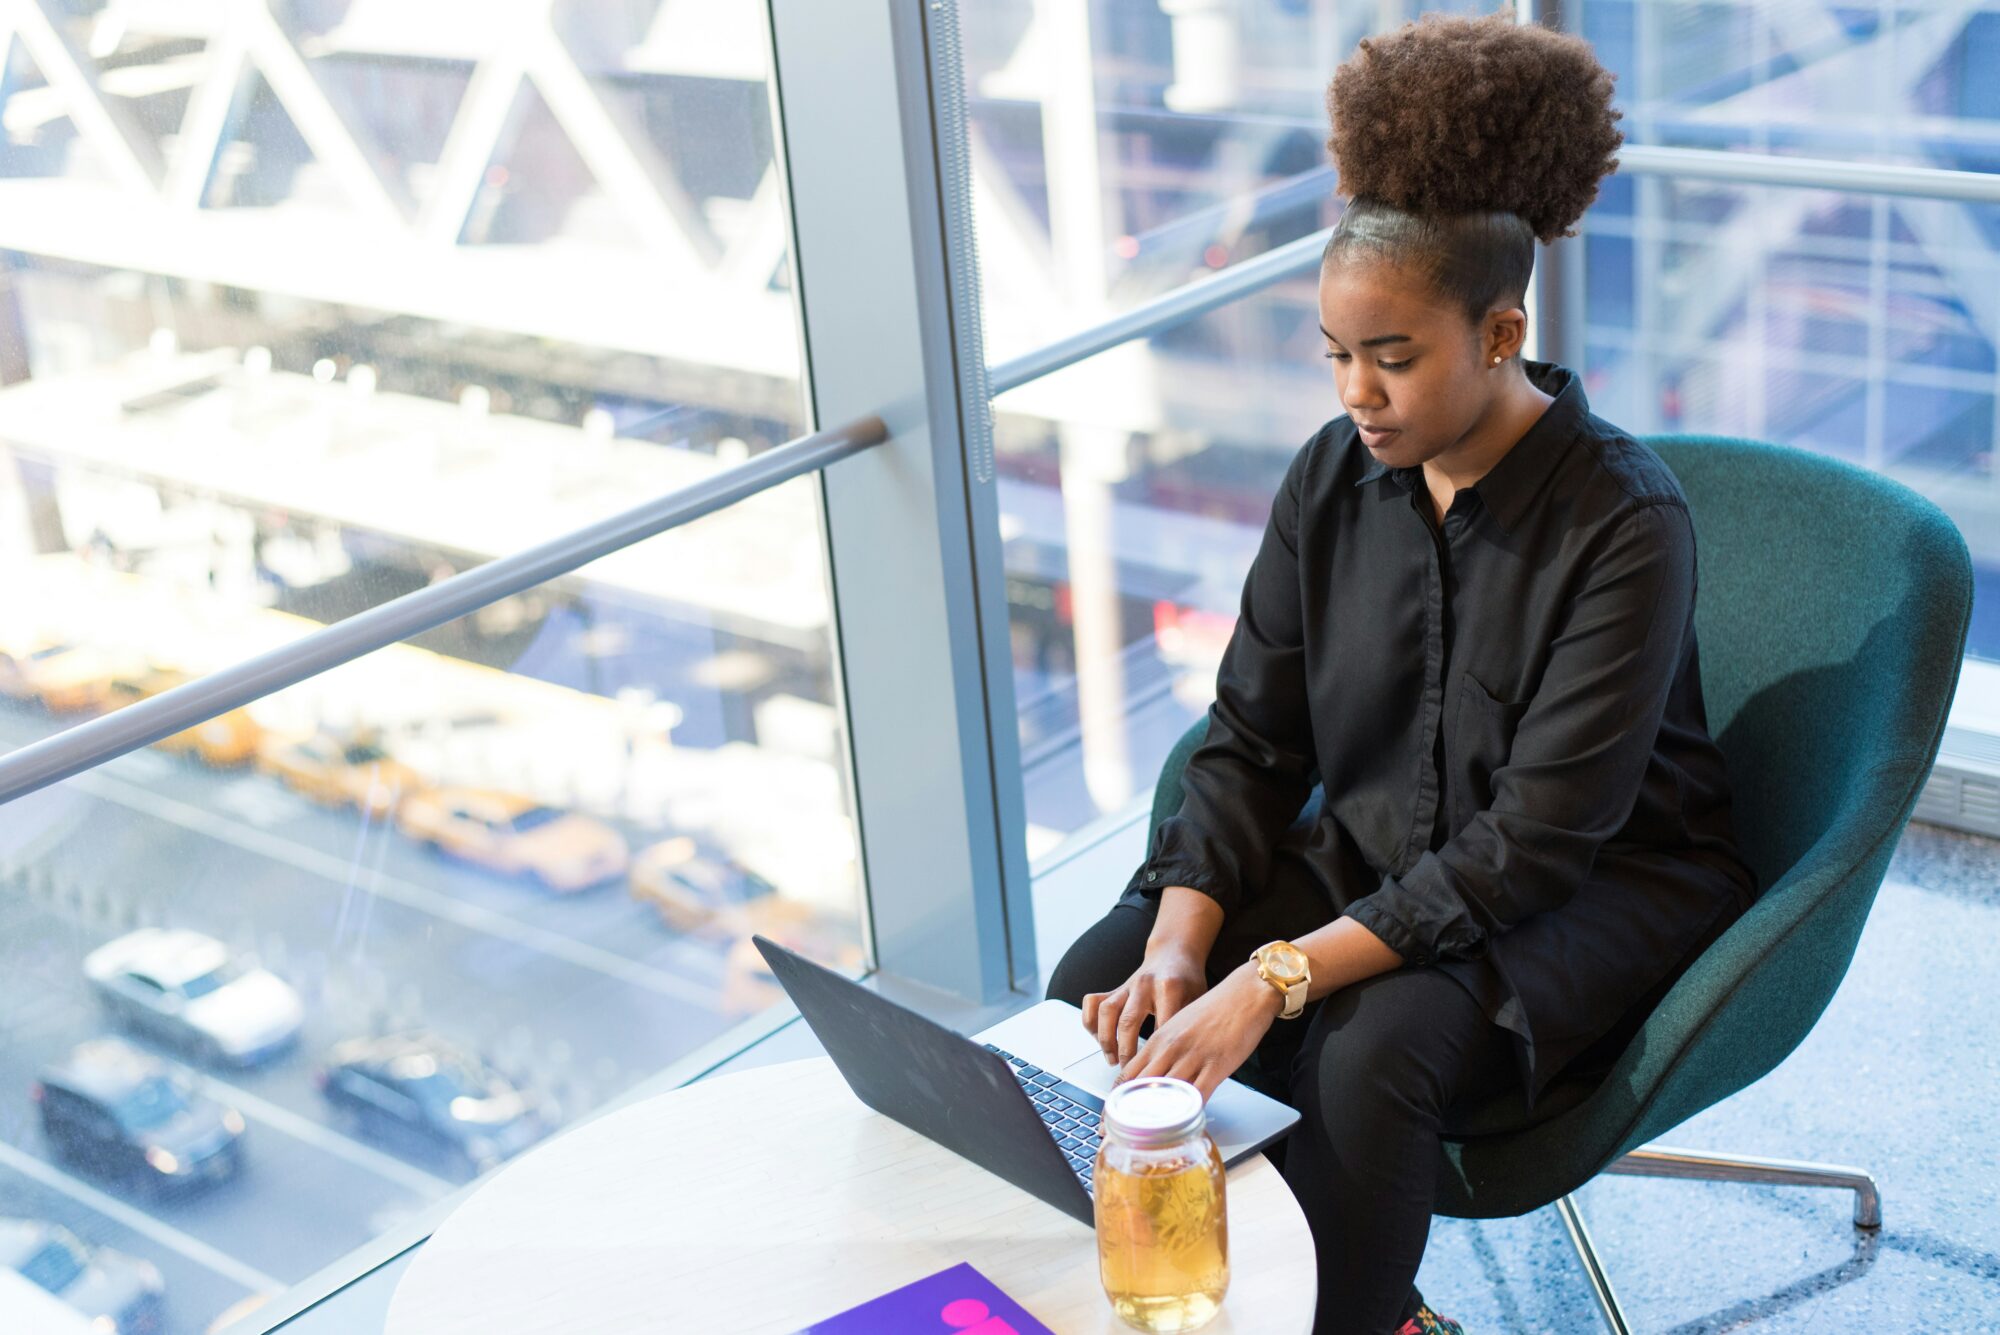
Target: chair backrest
column 1831, row 618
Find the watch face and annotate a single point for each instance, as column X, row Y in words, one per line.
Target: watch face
column 1285, row 961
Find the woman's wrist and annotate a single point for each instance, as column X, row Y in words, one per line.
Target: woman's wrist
column 1187, row 923
column 1255, row 990
column 1176, row 950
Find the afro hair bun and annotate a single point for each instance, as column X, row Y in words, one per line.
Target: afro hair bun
column 1450, row 115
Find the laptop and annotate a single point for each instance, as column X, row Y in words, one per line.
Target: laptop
column 1022, row 1098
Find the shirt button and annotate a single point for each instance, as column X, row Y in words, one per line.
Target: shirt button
column 1152, row 876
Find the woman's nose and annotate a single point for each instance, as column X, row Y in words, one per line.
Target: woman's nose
column 1363, row 392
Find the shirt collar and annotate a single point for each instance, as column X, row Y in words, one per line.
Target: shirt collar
column 1511, row 484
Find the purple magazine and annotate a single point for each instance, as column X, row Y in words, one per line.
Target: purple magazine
column 958, row 1301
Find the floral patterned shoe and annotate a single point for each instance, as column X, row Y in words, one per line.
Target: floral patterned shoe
column 1427, row 1322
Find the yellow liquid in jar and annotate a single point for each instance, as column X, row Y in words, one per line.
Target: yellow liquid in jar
column 1163, row 1241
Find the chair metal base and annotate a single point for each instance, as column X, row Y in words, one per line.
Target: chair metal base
column 1710, row 1166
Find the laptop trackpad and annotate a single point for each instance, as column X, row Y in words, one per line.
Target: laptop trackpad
column 1092, row 1072
column 1239, row 1117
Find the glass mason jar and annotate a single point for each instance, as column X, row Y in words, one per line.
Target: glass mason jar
column 1162, row 1218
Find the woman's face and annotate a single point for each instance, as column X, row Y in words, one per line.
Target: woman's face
column 1414, row 369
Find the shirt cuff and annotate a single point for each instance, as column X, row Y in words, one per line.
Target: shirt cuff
column 1393, row 931
column 1155, row 875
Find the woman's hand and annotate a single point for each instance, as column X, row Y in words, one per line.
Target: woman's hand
column 1168, row 979
column 1209, row 1038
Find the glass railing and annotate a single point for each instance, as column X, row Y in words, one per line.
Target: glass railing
column 1861, row 326
column 1133, row 489
column 1119, row 153
column 1137, row 458
column 287, row 977
column 1865, row 85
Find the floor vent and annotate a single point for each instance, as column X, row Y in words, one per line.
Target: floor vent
column 1963, row 791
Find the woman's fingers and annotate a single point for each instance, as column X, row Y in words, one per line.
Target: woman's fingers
column 1207, row 1080
column 1156, row 1058
column 1129, row 1019
column 1106, row 1028
column 1115, row 1017
column 1169, row 995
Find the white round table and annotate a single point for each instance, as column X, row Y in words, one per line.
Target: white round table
column 770, row 1199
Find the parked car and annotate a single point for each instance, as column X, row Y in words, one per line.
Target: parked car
column 225, row 741
column 416, row 1091
column 119, row 1293
column 27, row 1306
column 121, row 1113
column 352, row 772
column 693, row 888
column 21, row 659
column 748, row 985
column 235, row 1312
column 66, row 677
column 515, row 836
column 185, row 989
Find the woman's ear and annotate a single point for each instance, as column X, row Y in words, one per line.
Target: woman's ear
column 1506, row 334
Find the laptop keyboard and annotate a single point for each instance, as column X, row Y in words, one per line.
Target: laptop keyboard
column 1070, row 1113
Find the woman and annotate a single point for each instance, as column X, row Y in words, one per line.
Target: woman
column 1471, row 625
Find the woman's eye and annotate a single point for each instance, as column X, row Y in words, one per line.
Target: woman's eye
column 1387, row 366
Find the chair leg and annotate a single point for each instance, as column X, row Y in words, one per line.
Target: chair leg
column 1710, row 1166
column 1713, row 1166
column 1593, row 1269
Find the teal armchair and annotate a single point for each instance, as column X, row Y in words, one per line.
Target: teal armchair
column 1832, row 617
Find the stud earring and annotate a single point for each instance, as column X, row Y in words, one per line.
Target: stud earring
column 1496, row 361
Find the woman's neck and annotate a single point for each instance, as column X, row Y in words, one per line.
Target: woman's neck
column 1501, row 428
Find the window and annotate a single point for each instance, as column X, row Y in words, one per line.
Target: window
column 1119, row 156
column 1857, row 325
column 369, row 294
column 346, row 301
column 1121, row 152
column 285, row 340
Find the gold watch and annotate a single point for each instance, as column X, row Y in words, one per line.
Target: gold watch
column 1285, row 967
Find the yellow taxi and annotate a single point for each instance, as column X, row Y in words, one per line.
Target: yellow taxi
column 747, row 984
column 234, row 1313
column 693, row 889
column 515, row 836
column 225, row 741
column 66, row 677
column 355, row 772
column 20, row 662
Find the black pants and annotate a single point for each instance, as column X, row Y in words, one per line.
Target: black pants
column 1371, row 1069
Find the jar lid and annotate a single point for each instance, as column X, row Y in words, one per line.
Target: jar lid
column 1154, row 1110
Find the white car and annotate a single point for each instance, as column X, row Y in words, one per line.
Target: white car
column 117, row 1292
column 25, row 1305
column 185, row 989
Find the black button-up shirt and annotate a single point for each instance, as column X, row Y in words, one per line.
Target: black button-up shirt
column 1504, row 712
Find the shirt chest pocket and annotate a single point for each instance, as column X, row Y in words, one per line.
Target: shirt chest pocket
column 1482, row 736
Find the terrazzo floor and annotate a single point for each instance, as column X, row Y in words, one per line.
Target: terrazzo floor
column 1900, row 1077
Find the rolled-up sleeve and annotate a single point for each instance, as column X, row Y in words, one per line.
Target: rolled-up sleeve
column 1578, row 755
column 1255, row 767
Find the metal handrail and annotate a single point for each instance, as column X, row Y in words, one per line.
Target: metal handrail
column 1183, row 303
column 1860, row 178
column 74, row 750
column 1274, row 266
